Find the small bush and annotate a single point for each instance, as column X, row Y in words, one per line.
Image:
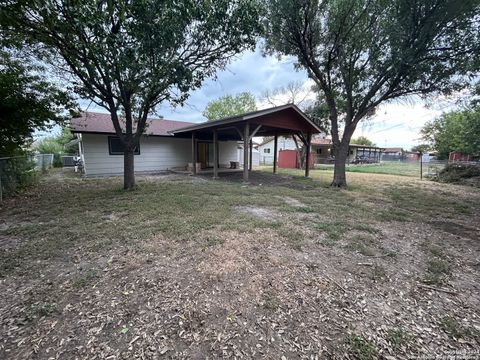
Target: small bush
column 398, row 337
column 454, row 328
column 16, row 173
column 437, row 271
column 361, row 348
column 57, row 160
column 40, row 310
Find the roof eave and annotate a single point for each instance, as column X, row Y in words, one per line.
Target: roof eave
column 245, row 117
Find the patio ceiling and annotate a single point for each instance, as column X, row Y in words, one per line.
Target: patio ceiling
column 282, row 120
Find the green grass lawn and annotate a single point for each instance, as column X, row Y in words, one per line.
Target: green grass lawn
column 386, row 167
column 187, row 267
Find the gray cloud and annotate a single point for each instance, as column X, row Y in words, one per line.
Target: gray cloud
column 249, row 72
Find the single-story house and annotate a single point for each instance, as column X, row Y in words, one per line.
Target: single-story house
column 458, row 156
column 412, row 155
column 102, row 154
column 393, row 154
column 356, row 153
column 169, row 145
column 265, row 148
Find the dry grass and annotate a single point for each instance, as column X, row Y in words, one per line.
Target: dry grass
column 188, row 268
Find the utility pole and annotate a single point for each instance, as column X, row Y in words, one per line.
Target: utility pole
column 421, row 165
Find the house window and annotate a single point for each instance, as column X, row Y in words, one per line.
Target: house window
column 115, row 146
column 319, row 151
column 266, row 151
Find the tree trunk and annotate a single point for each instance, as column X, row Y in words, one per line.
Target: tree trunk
column 128, row 169
column 300, row 154
column 341, row 155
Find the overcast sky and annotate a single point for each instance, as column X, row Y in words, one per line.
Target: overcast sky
column 395, row 124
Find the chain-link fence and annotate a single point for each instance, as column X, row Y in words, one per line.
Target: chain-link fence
column 432, row 168
column 17, row 172
column 402, row 167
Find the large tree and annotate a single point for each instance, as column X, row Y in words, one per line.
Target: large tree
column 129, row 56
column 28, row 101
column 230, row 105
column 454, row 131
column 361, row 53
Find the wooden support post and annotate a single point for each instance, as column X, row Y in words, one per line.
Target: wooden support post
column 251, row 155
column 275, row 150
column 307, row 155
column 194, row 155
column 246, row 137
column 215, row 154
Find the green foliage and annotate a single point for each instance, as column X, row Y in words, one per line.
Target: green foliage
column 56, row 144
column 27, row 102
column 16, row 173
column 454, row 328
column 50, row 145
column 361, row 348
column 362, row 140
column 229, row 105
column 361, row 53
column 40, row 310
column 437, row 271
column 455, row 131
column 398, row 337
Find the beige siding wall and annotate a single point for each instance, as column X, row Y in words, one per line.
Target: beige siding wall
column 156, row 154
column 227, row 151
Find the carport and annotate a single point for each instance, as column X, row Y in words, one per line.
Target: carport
column 278, row 121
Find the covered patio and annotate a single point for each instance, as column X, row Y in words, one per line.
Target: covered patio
column 278, row 121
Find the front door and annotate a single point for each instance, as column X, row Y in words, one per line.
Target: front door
column 205, row 154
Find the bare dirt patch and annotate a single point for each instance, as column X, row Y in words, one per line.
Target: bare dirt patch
column 175, row 270
column 258, row 178
column 456, row 228
column 259, row 212
column 291, row 201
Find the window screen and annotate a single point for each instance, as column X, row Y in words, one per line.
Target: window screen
column 115, row 146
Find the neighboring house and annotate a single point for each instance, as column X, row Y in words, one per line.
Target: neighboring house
column 393, row 154
column 412, row 155
column 458, row 156
column 265, row 148
column 361, row 153
column 102, row 155
column 322, row 147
